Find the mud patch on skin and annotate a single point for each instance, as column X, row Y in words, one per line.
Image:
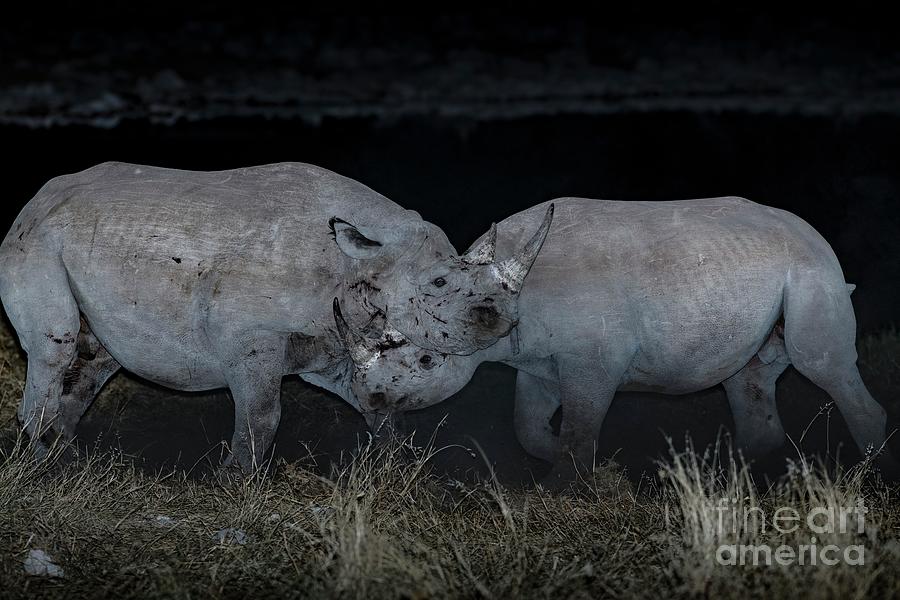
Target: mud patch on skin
column 67, row 338
column 436, row 318
column 365, row 285
column 27, row 231
column 389, row 344
column 756, row 393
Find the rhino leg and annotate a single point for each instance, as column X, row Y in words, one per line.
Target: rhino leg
column 89, row 372
column 751, row 394
column 820, row 337
column 587, row 384
column 45, row 315
column 536, row 401
column 254, row 379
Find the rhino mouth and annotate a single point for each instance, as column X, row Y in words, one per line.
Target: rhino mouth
column 377, row 400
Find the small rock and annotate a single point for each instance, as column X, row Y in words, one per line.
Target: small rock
column 230, row 535
column 274, row 518
column 163, row 521
column 40, row 563
column 321, row 512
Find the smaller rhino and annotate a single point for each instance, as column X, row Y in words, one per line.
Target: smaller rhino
column 669, row 297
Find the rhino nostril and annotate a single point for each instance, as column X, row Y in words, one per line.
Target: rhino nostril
column 377, row 399
column 487, row 316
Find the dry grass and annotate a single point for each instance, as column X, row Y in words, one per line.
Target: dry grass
column 385, row 525
column 703, row 491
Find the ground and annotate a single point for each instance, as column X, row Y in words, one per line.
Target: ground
column 396, row 521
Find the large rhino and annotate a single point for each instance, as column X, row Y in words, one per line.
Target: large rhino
column 669, row 297
column 200, row 280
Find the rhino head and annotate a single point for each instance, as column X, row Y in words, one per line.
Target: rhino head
column 391, row 373
column 439, row 300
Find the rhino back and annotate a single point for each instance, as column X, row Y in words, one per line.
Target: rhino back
column 164, row 263
column 689, row 276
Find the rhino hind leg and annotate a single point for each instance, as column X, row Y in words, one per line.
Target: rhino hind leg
column 44, row 313
column 751, row 395
column 254, row 379
column 536, row 402
column 820, row 337
column 89, row 372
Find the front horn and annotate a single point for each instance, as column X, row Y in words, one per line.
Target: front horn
column 513, row 271
column 361, row 351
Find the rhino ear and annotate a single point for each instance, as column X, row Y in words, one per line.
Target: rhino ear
column 352, row 242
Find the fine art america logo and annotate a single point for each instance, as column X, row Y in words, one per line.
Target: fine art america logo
column 821, row 526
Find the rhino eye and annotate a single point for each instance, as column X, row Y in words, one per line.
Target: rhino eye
column 426, row 360
column 439, row 282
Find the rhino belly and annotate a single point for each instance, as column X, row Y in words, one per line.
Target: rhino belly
column 681, row 378
column 152, row 324
column 679, row 358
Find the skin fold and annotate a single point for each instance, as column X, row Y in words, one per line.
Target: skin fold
column 201, row 280
column 669, row 297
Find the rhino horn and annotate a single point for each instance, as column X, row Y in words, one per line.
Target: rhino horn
column 361, row 351
column 512, row 271
column 483, row 252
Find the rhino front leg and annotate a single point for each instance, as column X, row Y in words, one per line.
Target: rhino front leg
column 587, row 385
column 254, row 379
column 536, row 401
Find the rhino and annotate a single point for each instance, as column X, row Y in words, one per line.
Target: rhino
column 202, row 280
column 669, row 297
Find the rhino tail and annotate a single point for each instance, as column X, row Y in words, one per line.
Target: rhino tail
column 850, row 287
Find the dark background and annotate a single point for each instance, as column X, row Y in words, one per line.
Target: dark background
column 468, row 119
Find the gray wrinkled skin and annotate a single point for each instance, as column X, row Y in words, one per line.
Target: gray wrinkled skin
column 200, row 280
column 670, row 297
